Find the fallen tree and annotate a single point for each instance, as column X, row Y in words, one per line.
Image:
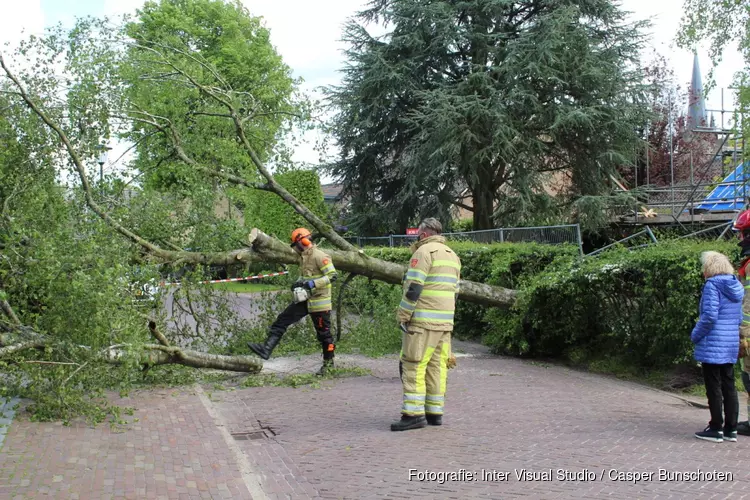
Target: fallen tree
column 16, row 337
column 263, row 247
column 182, row 65
column 272, row 250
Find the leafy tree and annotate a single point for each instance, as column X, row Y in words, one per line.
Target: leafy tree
column 226, row 40
column 687, row 151
column 488, row 97
column 722, row 24
column 68, row 325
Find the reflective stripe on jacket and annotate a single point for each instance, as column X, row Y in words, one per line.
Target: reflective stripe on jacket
column 433, row 275
column 745, row 328
column 318, row 266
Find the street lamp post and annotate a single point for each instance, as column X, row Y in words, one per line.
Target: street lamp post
column 101, row 161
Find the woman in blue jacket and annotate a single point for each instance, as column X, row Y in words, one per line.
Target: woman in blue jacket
column 717, row 339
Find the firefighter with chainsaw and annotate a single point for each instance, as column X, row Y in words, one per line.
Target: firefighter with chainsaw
column 311, row 295
column 742, row 225
column 425, row 317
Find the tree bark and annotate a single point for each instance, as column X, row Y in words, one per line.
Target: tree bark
column 162, row 355
column 273, row 250
column 151, row 354
column 483, row 208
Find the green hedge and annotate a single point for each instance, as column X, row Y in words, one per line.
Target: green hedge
column 275, row 217
column 639, row 306
column 504, row 264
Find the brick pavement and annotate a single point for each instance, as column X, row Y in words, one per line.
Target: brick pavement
column 334, row 442
column 173, row 451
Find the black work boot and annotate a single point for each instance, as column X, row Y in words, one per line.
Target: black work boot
column 324, row 369
column 409, row 422
column 329, row 352
column 434, row 419
column 265, row 350
column 743, row 428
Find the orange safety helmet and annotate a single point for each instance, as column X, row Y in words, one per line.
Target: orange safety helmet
column 301, row 236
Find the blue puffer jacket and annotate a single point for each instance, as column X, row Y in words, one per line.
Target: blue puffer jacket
column 717, row 333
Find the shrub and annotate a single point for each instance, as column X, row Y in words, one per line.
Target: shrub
column 639, row 305
column 502, row 264
column 275, row 217
column 462, row 225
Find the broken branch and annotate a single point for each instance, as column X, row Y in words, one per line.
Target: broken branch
column 271, row 249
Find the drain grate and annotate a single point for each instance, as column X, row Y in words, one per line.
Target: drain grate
column 247, row 436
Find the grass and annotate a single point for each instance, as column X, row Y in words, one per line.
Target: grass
column 238, row 287
column 302, row 379
column 175, row 376
column 680, row 379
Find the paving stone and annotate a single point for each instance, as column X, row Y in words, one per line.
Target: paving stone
column 503, row 417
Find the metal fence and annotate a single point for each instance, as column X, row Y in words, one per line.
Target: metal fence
column 552, row 235
column 645, row 233
column 716, row 232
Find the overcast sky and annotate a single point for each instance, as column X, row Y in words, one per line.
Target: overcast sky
column 307, row 35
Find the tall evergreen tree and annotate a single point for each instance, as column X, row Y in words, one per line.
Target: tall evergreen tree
column 486, row 97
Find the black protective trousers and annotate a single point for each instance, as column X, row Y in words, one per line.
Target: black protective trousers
column 721, row 393
column 321, row 321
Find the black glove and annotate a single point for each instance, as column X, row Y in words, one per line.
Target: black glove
column 296, row 284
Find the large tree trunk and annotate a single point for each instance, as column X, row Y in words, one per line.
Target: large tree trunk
column 483, row 199
column 20, row 338
column 162, row 355
column 273, row 250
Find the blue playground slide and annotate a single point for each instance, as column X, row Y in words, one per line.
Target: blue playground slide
column 731, row 193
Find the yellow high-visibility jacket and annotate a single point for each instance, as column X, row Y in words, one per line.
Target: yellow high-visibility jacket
column 430, row 286
column 317, row 266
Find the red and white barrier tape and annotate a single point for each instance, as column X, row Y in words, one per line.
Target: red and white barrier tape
column 231, row 279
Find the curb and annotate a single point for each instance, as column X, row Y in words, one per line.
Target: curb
column 6, row 417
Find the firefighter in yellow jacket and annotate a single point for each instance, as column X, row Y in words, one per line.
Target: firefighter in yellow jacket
column 316, row 275
column 425, row 316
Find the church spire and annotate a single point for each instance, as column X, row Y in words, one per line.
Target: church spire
column 696, row 102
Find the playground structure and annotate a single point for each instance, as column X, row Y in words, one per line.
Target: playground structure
column 712, row 186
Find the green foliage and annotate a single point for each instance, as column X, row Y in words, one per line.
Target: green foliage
column 482, row 95
column 723, row 25
column 224, row 37
column 276, row 217
column 639, row 306
column 302, row 379
column 70, row 280
column 463, row 225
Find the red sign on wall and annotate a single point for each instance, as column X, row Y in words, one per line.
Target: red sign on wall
column 412, row 231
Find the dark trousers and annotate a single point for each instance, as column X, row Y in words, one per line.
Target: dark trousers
column 721, row 392
column 321, row 321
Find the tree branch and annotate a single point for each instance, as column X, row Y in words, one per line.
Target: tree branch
column 173, row 136
column 21, row 346
column 273, row 186
column 272, row 249
column 8, row 310
column 462, row 205
column 78, row 163
column 151, row 354
column 156, row 333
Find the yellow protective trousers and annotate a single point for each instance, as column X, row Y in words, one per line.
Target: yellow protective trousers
column 424, row 371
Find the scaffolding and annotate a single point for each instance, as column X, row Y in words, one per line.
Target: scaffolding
column 683, row 200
